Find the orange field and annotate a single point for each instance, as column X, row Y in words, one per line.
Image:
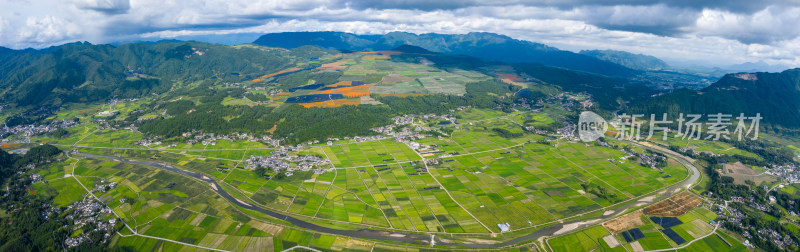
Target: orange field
column 8, row 145
column 338, row 65
column 332, row 103
column 341, row 84
column 509, row 76
column 512, row 82
column 283, row 93
column 257, row 80
column 382, row 56
column 356, row 91
column 279, row 72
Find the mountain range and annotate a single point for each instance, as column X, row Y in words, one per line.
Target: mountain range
column 482, row 45
column 82, row 72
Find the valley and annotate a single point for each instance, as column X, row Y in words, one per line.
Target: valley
column 398, row 149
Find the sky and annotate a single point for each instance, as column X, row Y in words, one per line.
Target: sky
column 715, row 32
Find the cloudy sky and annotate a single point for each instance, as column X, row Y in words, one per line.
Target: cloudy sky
column 720, row 32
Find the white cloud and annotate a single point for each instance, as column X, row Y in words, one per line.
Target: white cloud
column 45, row 31
column 771, row 24
column 743, row 31
column 3, row 25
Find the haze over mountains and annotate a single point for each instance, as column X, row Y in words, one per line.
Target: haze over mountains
column 482, row 45
column 501, row 48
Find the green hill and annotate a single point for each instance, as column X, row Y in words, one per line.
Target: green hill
column 774, row 95
column 81, row 72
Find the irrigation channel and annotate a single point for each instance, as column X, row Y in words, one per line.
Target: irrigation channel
column 421, row 239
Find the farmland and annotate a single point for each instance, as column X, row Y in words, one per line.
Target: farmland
column 477, row 179
column 482, row 181
column 375, row 72
column 694, row 225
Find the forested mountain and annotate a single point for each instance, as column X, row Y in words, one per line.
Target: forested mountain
column 81, row 72
column 477, row 44
column 629, row 60
column 774, row 95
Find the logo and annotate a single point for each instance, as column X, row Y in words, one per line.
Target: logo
column 591, row 126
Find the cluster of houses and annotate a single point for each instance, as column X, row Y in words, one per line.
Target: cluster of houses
column 89, row 211
column 32, row 130
column 734, row 216
column 400, row 128
column 211, row 138
column 283, row 160
column 790, row 172
column 568, row 131
column 651, row 161
column 104, row 186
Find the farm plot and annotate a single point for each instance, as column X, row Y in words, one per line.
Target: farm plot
column 290, row 238
column 164, row 204
column 674, row 206
column 279, row 193
column 369, row 153
column 532, row 119
column 625, row 222
column 716, row 243
column 591, row 239
column 245, row 180
column 741, row 173
column 111, row 138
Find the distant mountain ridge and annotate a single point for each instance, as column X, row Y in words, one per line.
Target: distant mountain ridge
column 483, row 45
column 759, row 66
column 630, row 60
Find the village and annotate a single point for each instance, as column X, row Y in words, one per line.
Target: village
column 734, row 217
column 790, row 173
column 283, row 160
column 28, row 130
column 89, row 214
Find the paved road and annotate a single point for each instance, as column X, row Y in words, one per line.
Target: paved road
column 423, row 239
